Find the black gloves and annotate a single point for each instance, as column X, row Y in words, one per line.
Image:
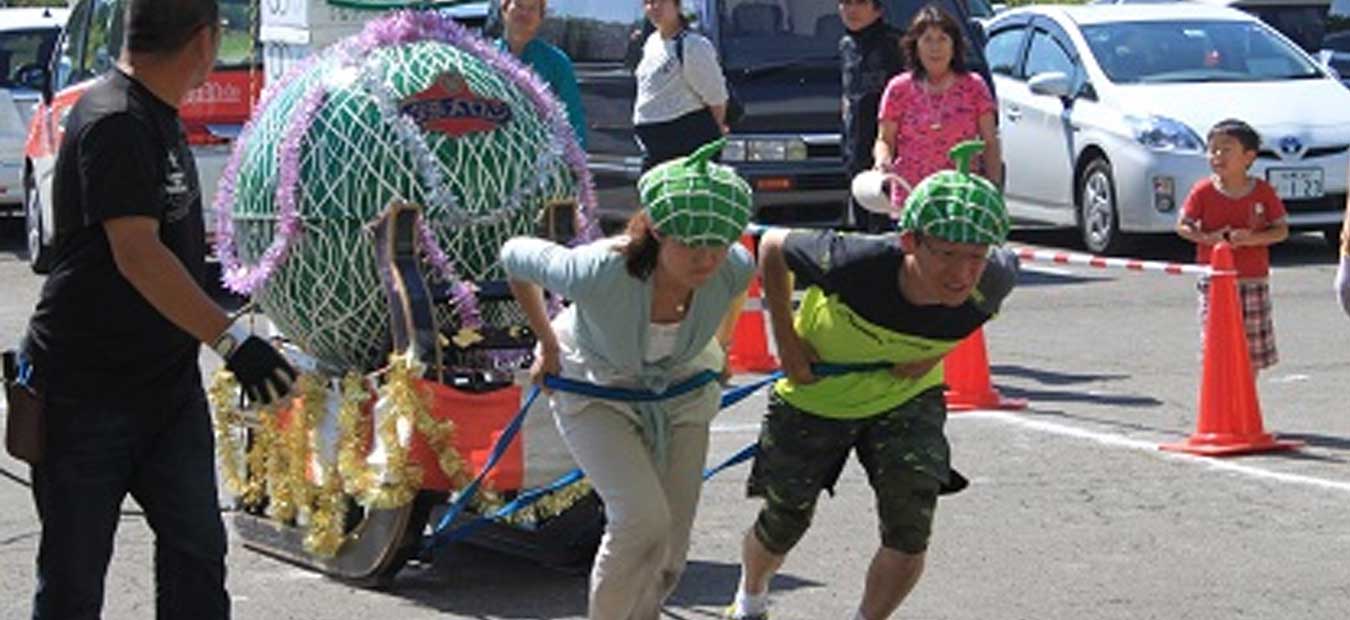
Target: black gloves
column 262, row 372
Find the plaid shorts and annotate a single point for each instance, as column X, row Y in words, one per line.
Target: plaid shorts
column 1257, row 318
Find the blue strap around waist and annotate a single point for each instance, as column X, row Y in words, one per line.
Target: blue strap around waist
column 444, row 533
column 629, row 395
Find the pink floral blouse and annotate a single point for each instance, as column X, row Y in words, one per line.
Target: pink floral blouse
column 930, row 124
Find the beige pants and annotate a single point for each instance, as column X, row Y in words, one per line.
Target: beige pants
column 649, row 511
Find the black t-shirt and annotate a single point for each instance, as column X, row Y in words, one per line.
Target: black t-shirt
column 124, row 153
column 853, row 311
column 863, row 271
column 871, row 57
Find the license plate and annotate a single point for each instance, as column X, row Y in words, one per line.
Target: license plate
column 1296, row 183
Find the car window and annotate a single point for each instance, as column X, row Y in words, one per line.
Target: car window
column 103, row 42
column 98, row 48
column 1304, row 25
column 237, row 37
column 67, row 64
column 765, row 32
column 1002, row 49
column 982, row 9
column 1047, row 54
column 1337, row 36
column 23, row 49
column 587, row 30
column 1195, row 51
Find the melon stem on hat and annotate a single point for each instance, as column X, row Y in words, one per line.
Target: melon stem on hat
column 957, row 205
column 697, row 201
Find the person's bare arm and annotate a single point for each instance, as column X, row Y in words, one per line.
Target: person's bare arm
column 1190, row 231
column 795, row 354
column 530, row 296
column 883, row 150
column 726, row 330
column 157, row 274
column 1277, row 231
column 719, row 113
column 993, row 149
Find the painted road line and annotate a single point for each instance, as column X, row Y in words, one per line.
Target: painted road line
column 735, row 428
column 1119, row 441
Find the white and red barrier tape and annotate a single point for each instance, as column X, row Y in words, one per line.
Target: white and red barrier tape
column 1099, row 262
column 1086, row 260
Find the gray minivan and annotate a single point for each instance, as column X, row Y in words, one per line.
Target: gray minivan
column 780, row 58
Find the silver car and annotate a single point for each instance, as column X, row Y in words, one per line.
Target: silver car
column 27, row 37
column 1103, row 111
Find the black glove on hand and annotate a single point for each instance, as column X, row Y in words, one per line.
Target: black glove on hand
column 262, row 372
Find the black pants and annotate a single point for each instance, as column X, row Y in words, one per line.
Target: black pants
column 676, row 138
column 163, row 455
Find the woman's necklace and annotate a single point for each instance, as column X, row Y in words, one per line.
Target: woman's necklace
column 937, row 97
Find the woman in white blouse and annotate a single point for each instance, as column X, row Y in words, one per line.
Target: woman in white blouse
column 681, row 93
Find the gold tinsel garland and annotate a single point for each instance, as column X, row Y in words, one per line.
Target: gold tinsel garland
column 277, row 462
column 221, row 395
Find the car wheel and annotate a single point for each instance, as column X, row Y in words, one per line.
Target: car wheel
column 39, row 254
column 1098, row 218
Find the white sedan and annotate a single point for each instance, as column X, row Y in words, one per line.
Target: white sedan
column 1103, row 111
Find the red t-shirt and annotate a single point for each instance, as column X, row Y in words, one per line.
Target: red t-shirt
column 1255, row 212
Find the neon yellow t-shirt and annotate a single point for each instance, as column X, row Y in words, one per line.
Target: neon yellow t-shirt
column 854, row 312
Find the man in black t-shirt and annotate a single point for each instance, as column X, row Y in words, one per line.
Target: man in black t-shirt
column 871, row 54
column 116, row 333
column 893, row 307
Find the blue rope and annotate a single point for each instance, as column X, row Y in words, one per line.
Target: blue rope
column 444, row 532
column 629, row 395
column 735, row 395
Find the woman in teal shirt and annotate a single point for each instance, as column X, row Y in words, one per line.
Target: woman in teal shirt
column 522, row 19
column 646, row 311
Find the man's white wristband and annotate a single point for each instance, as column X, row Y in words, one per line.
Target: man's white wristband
column 229, row 340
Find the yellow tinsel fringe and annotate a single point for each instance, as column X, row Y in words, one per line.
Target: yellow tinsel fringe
column 276, row 463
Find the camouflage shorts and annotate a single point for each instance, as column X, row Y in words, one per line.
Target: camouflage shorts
column 903, row 450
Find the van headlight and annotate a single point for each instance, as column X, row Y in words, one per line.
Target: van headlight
column 764, row 149
column 1160, row 133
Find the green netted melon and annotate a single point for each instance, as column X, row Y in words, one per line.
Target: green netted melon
column 427, row 120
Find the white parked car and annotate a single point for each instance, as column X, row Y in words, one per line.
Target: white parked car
column 1103, row 111
column 27, row 37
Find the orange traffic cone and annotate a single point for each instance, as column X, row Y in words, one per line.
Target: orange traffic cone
column 1230, row 412
column 966, row 370
column 750, row 343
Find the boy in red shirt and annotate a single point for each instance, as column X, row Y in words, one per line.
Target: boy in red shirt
column 1245, row 212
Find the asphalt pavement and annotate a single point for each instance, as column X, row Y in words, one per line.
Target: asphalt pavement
column 1073, row 512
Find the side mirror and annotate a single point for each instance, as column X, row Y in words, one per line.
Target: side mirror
column 1051, row 83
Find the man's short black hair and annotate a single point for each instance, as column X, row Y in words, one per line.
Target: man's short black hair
column 158, row 26
column 1237, row 130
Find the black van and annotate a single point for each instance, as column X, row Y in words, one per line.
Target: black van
column 781, row 59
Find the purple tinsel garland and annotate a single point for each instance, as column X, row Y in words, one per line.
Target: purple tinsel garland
column 399, row 28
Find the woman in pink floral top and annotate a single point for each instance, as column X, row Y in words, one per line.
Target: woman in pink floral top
column 935, row 105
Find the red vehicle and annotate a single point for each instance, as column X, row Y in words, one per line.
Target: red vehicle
column 89, row 45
